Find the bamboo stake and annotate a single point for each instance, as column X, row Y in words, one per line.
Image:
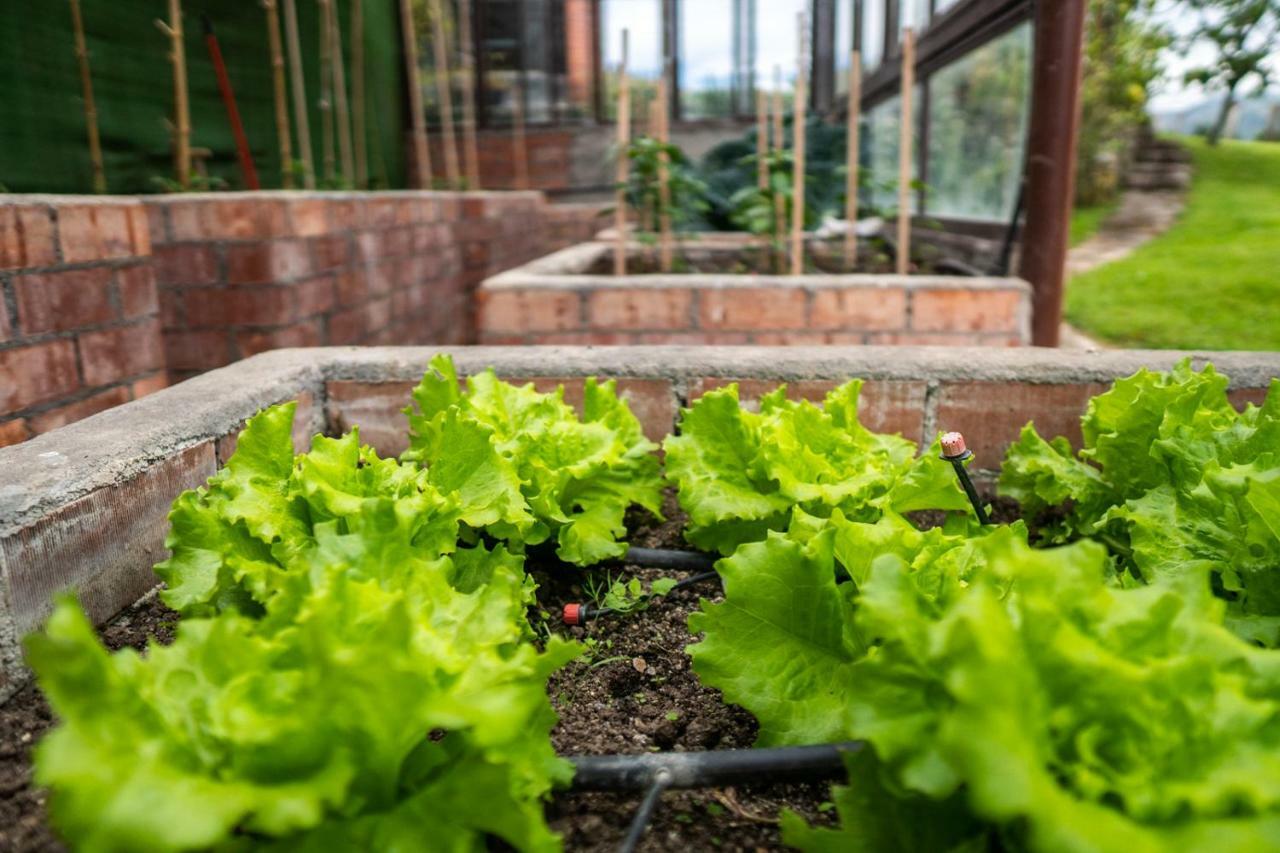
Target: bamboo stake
column 779, row 144
column 360, row 148
column 90, row 106
column 624, row 139
column 664, row 176
column 300, row 121
column 851, row 162
column 798, row 116
column 904, row 149
column 422, row 154
column 182, row 114
column 278, row 94
column 518, row 141
column 470, row 149
column 326, row 94
column 343, row 114
column 762, row 138
column 448, row 140
column 647, row 211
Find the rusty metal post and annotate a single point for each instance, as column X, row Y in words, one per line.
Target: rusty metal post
column 1051, row 160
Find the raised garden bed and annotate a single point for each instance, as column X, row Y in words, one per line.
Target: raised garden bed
column 719, row 295
column 634, row 692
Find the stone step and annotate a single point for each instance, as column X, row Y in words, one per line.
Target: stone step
column 1163, row 152
column 1158, row 176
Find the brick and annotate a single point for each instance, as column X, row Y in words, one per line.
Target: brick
column 315, row 295
column 305, row 334
column 804, row 339
column 640, row 308
column 928, row 339
column 1241, row 397
column 863, row 308
column 95, row 232
column 172, row 315
column 239, row 306
column 60, row 301
column 6, row 329
column 967, row 310
column 373, row 407
column 157, row 223
column 698, row 337
column 139, row 230
column 331, row 252
column 991, row 414
column 529, row 310
column 352, row 287
column 114, row 354
column 309, row 216
column 26, row 236
column 137, row 288
column 186, row 264
column 228, row 219
column 346, row 327
column 79, row 410
column 197, row 351
column 34, row 374
column 102, row 545
column 380, row 277
column 368, row 246
column 268, row 262
column 377, row 315
column 149, row 385
column 752, row 308
column 883, row 406
column 13, row 432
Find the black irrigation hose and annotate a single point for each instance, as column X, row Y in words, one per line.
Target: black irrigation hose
column 661, row 781
column 662, row 558
column 712, row 769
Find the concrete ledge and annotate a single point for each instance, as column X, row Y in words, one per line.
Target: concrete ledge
column 84, row 506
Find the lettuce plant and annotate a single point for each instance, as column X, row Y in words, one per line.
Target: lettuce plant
column 560, row 477
column 740, row 473
column 1009, row 696
column 348, row 678
column 1176, row 481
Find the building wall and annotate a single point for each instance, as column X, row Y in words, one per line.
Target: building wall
column 79, row 324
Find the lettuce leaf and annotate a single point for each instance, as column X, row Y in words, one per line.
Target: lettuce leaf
column 1176, row 481
column 740, row 473
column 558, row 476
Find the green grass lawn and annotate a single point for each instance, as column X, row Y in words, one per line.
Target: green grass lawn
column 1212, row 281
column 1085, row 221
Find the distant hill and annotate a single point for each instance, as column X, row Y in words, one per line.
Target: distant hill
column 1251, row 122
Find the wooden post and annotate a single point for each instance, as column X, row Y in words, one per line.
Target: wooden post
column 444, row 93
column 342, row 113
column 422, row 154
column 182, row 115
column 360, row 148
column 905, row 135
column 664, row 177
column 521, row 148
column 762, row 138
column 851, row 163
column 90, row 107
column 779, row 203
column 279, row 95
column 624, row 139
column 326, row 94
column 300, row 121
column 469, row 147
column 798, row 118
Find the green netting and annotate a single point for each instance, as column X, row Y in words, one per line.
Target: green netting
column 43, row 144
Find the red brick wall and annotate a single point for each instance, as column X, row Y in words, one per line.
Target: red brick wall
column 79, row 328
column 549, row 152
column 753, row 313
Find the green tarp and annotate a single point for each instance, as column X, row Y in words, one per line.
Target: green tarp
column 43, row 143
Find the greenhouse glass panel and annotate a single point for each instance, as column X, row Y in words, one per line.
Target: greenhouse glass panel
column 642, row 19
column 706, row 59
column 872, row 33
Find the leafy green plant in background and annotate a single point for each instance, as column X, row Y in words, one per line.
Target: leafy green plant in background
column 348, row 677
column 740, row 473
column 559, row 477
column 1176, row 481
column 686, row 193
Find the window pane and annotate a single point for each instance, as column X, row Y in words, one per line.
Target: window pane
column 642, row 19
column 844, row 44
column 499, row 53
column 872, row 33
column 879, row 137
column 776, row 36
column 706, row 58
column 940, row 6
column 977, row 129
column 914, row 14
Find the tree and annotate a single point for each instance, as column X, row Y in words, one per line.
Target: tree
column 1244, row 34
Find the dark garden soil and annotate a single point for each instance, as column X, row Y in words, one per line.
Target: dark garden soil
column 633, row 692
column 820, row 258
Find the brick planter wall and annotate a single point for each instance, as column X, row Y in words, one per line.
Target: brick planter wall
column 556, row 300
column 120, row 470
column 79, row 328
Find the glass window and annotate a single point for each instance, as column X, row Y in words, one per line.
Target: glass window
column 499, row 55
column 872, row 33
column 879, row 138
column 940, row 6
column 977, row 129
column 776, row 38
column 642, row 19
column 914, row 14
column 706, row 58
column 844, row 44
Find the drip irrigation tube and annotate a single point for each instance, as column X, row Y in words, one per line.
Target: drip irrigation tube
column 711, row 769
column 661, row 781
column 661, row 558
